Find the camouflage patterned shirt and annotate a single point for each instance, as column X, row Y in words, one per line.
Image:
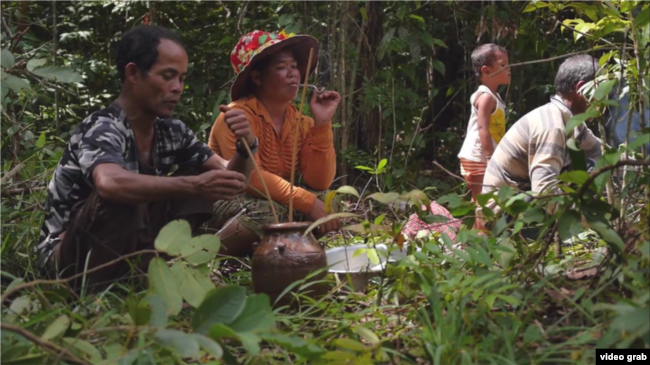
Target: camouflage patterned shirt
column 106, row 137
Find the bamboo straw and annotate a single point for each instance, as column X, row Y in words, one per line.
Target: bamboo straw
column 297, row 135
column 259, row 173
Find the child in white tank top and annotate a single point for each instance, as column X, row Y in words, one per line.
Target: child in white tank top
column 487, row 123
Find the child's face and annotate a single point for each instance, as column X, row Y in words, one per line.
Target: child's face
column 501, row 62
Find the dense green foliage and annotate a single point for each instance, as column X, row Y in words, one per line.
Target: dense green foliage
column 403, row 71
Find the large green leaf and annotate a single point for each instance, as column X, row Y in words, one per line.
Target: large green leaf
column 7, row 59
column 86, row 348
column 56, row 328
column 295, row 345
column 59, row 74
column 35, row 62
column 173, row 236
column 209, row 345
column 164, row 283
column 257, row 315
column 569, row 225
column 604, row 89
column 158, row 308
column 578, row 119
column 185, row 344
column 384, row 198
column 207, row 242
column 140, row 312
column 220, row 306
column 13, row 83
column 347, row 189
column 188, row 285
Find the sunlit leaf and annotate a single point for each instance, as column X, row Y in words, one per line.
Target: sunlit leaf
column 56, row 328
column 163, row 282
column 173, row 236
column 367, row 334
column 347, row 189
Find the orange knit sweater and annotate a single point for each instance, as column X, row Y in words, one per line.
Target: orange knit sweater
column 316, row 156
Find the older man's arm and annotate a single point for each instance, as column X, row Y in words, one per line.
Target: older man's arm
column 546, row 163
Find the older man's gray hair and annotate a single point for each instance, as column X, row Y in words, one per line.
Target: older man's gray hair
column 575, row 69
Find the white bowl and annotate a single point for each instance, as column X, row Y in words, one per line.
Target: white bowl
column 342, row 262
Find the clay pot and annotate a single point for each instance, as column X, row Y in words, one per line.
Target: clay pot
column 285, row 256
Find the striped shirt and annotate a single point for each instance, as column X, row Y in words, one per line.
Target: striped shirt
column 534, row 151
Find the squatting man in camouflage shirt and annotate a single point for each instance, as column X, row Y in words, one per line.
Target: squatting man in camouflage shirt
column 111, row 192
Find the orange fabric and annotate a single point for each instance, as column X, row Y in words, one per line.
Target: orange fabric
column 316, row 156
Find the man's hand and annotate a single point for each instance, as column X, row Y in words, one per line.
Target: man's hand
column 238, row 123
column 317, row 212
column 220, row 184
column 323, row 106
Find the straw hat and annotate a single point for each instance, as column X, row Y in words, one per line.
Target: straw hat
column 257, row 45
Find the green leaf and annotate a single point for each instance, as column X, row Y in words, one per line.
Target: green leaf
column 186, row 345
column 382, row 164
column 326, row 219
column 220, row 306
column 163, row 282
column 508, row 299
column 367, row 335
column 603, row 90
column 578, row 119
column 173, row 236
column 220, row 330
column 13, row 83
column 41, row 140
column 59, row 74
column 140, row 312
column 384, row 198
column 642, row 19
column 452, row 199
column 250, row 342
column 347, row 189
column 84, row 347
column 438, row 66
column 576, row 177
column 35, row 62
column 212, row 347
column 188, row 285
column 207, row 242
column 364, row 168
column 350, row 344
column 7, row 59
column 608, row 234
column 295, row 345
column 364, row 13
column 639, row 141
column 158, row 309
column 534, row 6
column 569, row 225
column 56, row 328
column 257, row 315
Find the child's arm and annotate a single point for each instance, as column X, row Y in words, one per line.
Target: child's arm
column 486, row 105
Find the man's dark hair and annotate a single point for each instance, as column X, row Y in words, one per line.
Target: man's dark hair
column 485, row 55
column 140, row 46
column 574, row 69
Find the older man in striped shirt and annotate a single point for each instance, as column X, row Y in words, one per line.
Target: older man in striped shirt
column 533, row 152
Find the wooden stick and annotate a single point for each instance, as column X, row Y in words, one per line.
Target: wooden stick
column 297, row 135
column 259, row 173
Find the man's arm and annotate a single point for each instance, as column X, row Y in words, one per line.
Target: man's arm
column 240, row 130
column 114, row 183
column 546, row 164
column 485, row 105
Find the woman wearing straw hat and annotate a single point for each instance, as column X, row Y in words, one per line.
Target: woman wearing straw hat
column 270, row 68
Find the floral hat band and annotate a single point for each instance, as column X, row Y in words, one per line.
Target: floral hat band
column 257, row 44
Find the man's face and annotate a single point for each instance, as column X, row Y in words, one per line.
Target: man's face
column 159, row 90
column 280, row 78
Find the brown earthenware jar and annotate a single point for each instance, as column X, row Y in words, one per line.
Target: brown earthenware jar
column 285, row 256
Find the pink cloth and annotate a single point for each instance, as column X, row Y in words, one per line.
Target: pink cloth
column 450, row 227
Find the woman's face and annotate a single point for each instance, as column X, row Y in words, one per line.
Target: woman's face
column 279, row 79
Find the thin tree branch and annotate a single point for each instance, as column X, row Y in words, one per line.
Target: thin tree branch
column 447, row 171
column 604, row 169
column 43, row 343
column 11, row 173
column 78, row 275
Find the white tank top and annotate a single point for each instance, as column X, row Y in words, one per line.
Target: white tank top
column 471, row 149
